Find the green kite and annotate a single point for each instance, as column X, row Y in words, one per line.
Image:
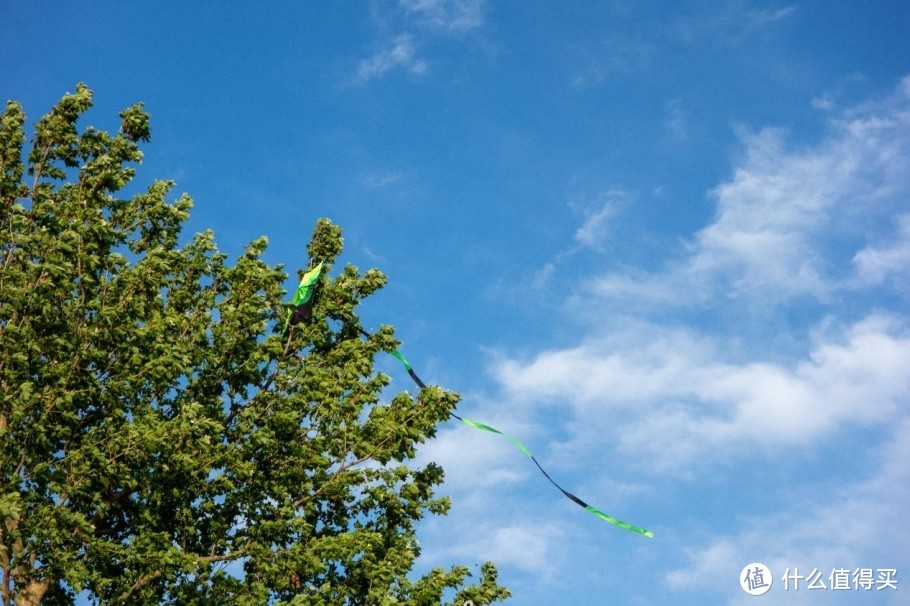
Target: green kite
column 301, row 308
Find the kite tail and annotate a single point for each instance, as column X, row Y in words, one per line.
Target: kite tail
column 482, row 427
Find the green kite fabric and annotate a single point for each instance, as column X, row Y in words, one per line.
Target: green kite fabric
column 307, row 286
column 301, row 309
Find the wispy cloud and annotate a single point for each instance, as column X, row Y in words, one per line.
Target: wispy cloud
column 418, row 21
column 599, row 214
column 734, row 21
column 449, row 15
column 889, row 260
column 596, row 233
column 809, row 230
column 402, row 54
column 783, row 211
column 488, row 518
column 529, row 546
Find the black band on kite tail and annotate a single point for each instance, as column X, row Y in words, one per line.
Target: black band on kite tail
column 397, row 354
column 417, row 380
column 561, row 489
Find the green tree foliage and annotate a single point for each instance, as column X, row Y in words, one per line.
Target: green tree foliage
column 160, row 441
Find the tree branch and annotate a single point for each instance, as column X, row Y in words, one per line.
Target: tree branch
column 139, row 584
column 145, row 579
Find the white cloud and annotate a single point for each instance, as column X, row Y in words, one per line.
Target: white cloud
column 783, row 211
column 528, row 546
column 490, row 519
column 418, row 20
column 535, row 546
column 402, row 54
column 676, row 400
column 780, row 203
column 875, row 264
column 474, row 459
column 823, row 102
column 596, row 229
column 671, row 399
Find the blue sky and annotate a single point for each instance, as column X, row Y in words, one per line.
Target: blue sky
column 664, row 244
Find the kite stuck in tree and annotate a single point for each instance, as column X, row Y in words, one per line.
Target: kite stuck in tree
column 301, row 310
column 301, row 307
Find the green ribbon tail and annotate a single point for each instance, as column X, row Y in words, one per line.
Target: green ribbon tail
column 591, row 509
column 398, row 356
column 483, row 427
column 625, row 525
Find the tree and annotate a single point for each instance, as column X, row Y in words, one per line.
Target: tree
column 163, row 437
